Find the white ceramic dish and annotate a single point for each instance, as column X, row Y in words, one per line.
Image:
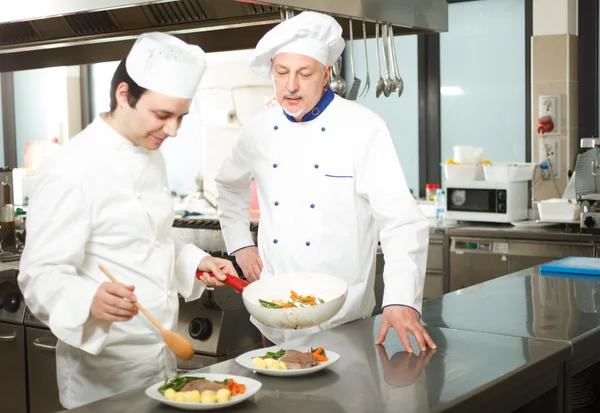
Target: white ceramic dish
column 252, row 386
column 331, row 289
column 532, row 224
column 245, row 360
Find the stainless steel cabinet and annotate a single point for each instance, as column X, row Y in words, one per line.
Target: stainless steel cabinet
column 13, row 382
column 378, row 282
column 476, row 260
column 524, row 254
column 41, row 368
column 434, row 279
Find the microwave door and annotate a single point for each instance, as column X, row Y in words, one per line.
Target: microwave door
column 472, row 200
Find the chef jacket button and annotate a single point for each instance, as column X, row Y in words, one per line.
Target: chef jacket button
column 312, row 205
column 275, row 127
column 169, row 239
column 316, row 166
column 275, row 241
column 274, row 165
column 136, row 194
column 156, row 243
column 276, row 203
column 169, row 293
column 165, row 189
column 308, row 243
column 323, row 129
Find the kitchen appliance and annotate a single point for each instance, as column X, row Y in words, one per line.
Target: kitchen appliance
column 217, row 324
column 476, row 260
column 27, row 352
column 487, row 201
column 6, row 178
column 13, row 381
column 587, row 185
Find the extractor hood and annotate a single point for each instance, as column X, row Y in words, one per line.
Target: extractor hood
column 46, row 33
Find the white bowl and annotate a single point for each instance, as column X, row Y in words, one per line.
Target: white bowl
column 463, row 172
column 331, row 289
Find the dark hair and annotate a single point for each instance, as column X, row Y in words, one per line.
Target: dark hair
column 135, row 90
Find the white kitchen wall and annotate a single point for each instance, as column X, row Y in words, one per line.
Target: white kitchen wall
column 482, row 64
column 41, row 110
column 229, row 93
column 400, row 113
column 100, row 77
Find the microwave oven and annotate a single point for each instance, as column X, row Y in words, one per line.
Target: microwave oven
column 487, row 201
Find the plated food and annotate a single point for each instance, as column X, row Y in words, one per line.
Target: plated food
column 295, row 301
column 200, row 390
column 277, row 361
column 203, row 391
column 290, row 359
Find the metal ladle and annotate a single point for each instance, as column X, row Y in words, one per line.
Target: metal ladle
column 380, row 82
column 354, row 89
column 398, row 82
column 368, row 80
column 388, row 84
column 337, row 84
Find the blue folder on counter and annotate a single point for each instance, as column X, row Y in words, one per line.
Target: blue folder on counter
column 572, row 265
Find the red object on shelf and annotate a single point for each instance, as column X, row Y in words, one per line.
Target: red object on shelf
column 545, row 124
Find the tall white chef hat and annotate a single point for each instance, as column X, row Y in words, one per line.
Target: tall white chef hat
column 166, row 65
column 312, row 34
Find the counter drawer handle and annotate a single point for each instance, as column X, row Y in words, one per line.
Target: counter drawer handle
column 188, row 370
column 9, row 337
column 39, row 344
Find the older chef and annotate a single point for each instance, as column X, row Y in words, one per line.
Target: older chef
column 329, row 186
column 104, row 199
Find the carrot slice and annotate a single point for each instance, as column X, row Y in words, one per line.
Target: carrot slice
column 288, row 306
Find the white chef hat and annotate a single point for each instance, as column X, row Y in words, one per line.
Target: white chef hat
column 167, row 65
column 312, row 34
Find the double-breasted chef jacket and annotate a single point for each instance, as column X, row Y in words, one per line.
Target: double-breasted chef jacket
column 102, row 200
column 329, row 188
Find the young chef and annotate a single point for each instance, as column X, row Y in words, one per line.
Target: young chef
column 104, row 199
column 329, row 185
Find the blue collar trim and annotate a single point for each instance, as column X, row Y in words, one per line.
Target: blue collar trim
column 318, row 109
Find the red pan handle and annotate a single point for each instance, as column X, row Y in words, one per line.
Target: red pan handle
column 231, row 280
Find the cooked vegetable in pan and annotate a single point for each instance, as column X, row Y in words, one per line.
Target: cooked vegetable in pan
column 295, row 301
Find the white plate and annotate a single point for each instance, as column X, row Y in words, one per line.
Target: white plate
column 532, row 224
column 245, row 360
column 252, row 386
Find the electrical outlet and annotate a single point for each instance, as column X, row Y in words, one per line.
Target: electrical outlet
column 550, row 158
column 549, row 105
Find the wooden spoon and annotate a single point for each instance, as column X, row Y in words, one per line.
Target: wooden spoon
column 177, row 343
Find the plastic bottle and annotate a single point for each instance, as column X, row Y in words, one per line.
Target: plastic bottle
column 440, row 208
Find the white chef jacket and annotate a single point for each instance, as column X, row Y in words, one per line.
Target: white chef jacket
column 328, row 188
column 102, row 200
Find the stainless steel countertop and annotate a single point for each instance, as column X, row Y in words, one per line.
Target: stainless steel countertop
column 555, row 233
column 459, row 377
column 527, row 304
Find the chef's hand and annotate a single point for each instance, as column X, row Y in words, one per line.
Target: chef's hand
column 114, row 302
column 219, row 267
column 249, row 261
column 404, row 319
